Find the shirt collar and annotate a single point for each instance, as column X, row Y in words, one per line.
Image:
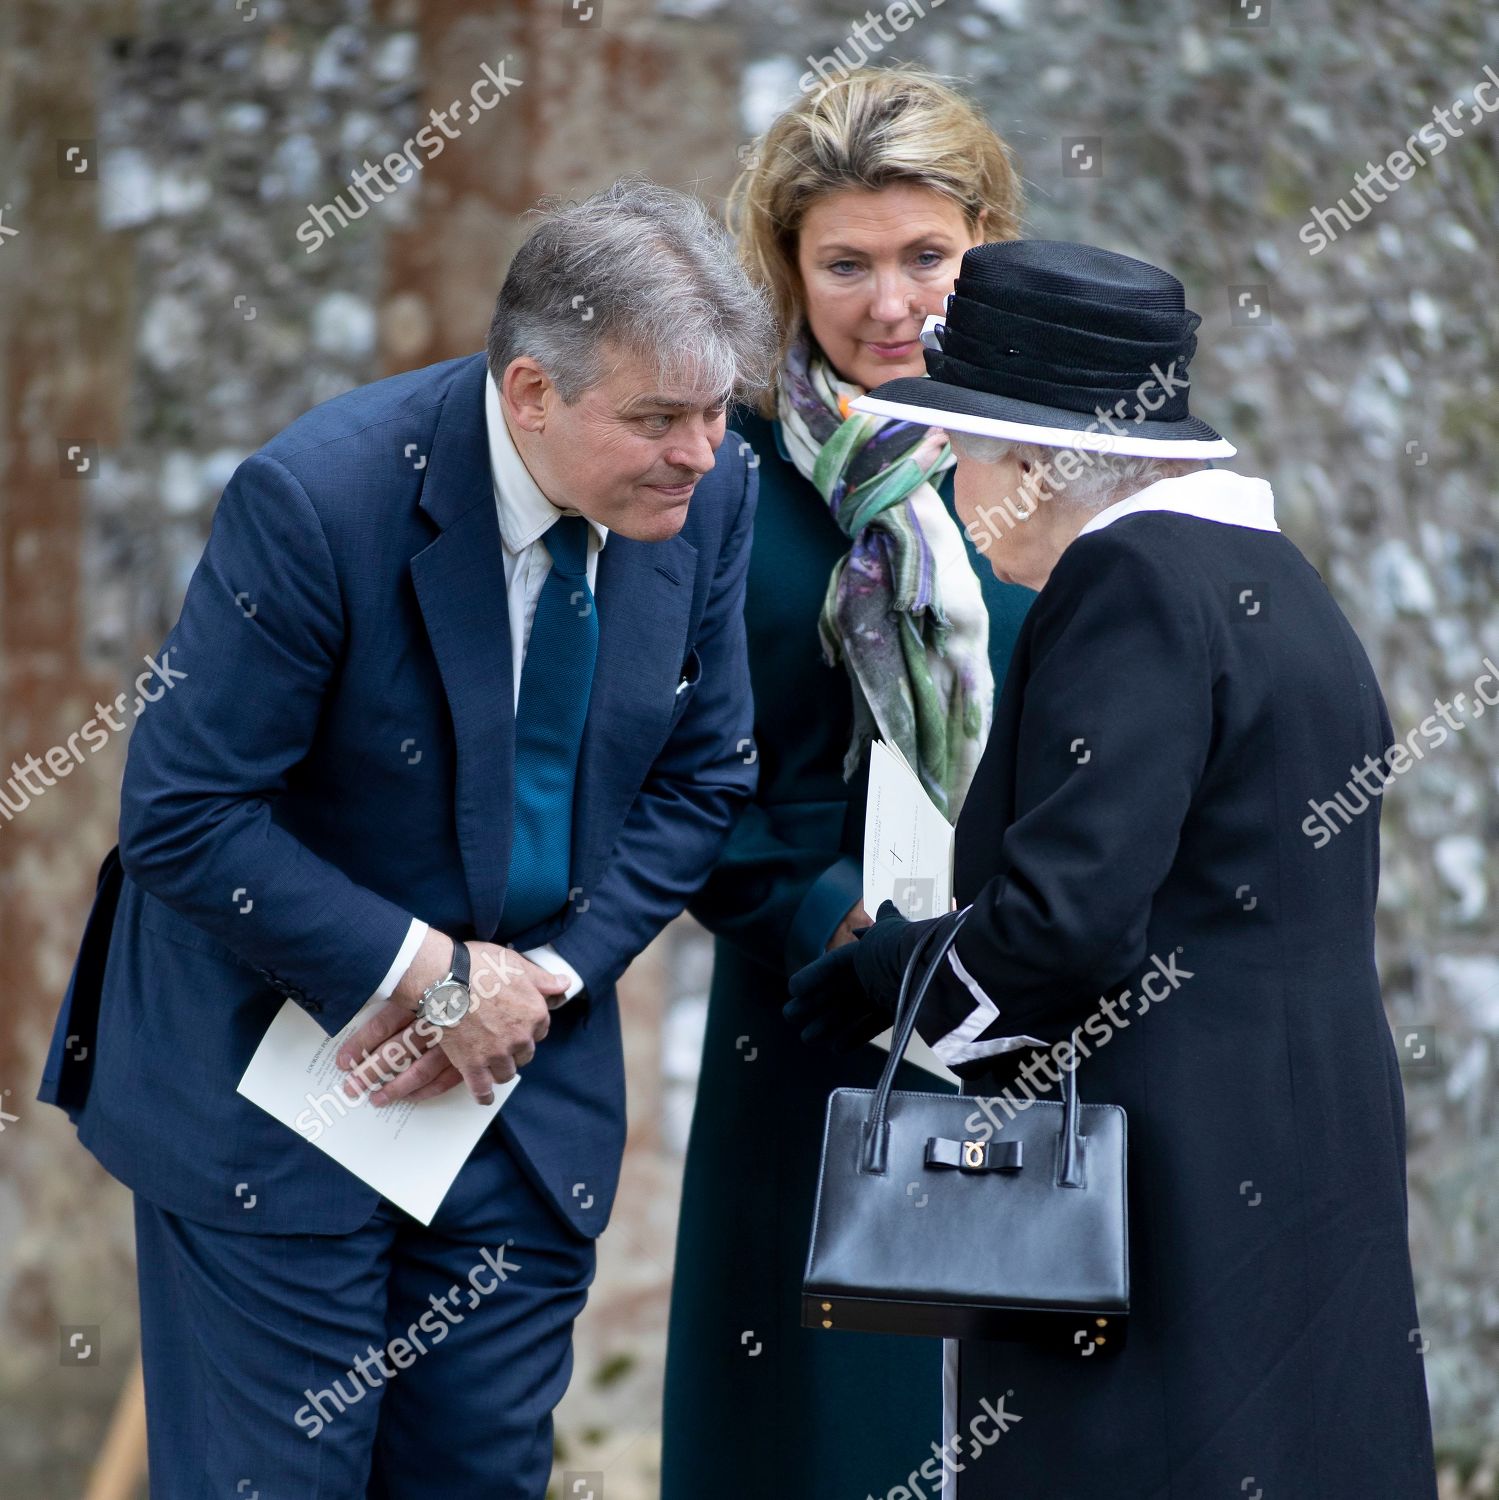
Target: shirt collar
column 525, row 513
column 1210, row 494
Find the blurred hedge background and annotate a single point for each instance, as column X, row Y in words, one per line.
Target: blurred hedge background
column 159, row 320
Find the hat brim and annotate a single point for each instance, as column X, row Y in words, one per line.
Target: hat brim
column 958, row 408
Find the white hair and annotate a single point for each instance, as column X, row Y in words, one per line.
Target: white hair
column 1100, row 480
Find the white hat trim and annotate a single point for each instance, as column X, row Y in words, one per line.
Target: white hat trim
column 1087, row 440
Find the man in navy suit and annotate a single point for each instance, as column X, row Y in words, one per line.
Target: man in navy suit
column 462, row 719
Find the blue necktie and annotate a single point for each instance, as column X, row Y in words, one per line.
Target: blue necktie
column 555, row 684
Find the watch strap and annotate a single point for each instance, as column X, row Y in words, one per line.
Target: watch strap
column 462, row 968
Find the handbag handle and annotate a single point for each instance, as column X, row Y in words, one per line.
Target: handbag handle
column 930, row 952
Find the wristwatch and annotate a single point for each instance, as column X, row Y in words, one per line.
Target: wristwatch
column 446, row 1002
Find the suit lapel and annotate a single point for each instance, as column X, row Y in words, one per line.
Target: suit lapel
column 644, row 596
column 460, row 588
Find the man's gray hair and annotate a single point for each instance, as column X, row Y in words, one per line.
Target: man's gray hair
column 1100, row 480
column 646, row 269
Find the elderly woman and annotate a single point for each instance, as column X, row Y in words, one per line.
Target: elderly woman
column 867, row 612
column 1139, row 880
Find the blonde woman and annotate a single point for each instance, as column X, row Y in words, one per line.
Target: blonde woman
column 869, row 613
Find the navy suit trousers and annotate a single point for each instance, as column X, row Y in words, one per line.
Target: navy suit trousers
column 461, row 1329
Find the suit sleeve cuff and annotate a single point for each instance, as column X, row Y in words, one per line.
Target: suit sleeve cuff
column 415, row 935
column 830, row 899
column 548, row 958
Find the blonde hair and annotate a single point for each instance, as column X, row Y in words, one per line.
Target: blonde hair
column 872, row 128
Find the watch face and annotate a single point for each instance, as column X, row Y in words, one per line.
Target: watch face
column 448, row 1004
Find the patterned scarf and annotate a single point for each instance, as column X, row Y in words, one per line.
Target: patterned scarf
column 904, row 611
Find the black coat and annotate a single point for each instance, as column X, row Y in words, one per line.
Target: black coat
column 1180, row 692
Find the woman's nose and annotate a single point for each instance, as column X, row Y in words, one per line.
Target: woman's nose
column 894, row 301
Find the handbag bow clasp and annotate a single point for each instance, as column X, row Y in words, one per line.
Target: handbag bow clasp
column 973, row 1156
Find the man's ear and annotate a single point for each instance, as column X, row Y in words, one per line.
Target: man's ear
column 525, row 393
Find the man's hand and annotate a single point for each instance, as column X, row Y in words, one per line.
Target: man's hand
column 853, row 922
column 511, row 1012
column 397, row 1055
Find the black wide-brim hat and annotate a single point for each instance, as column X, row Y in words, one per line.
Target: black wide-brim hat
column 1062, row 345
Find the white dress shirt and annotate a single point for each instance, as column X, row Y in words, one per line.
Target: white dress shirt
column 525, row 514
column 1210, row 495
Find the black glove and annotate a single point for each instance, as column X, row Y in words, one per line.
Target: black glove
column 848, row 996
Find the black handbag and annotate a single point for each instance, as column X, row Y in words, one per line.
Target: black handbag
column 920, row 1228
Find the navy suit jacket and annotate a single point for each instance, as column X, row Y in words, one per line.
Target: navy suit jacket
column 338, row 758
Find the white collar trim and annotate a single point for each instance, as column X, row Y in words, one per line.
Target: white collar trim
column 525, row 512
column 1209, row 494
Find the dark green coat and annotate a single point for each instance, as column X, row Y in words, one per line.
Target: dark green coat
column 756, row 1406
